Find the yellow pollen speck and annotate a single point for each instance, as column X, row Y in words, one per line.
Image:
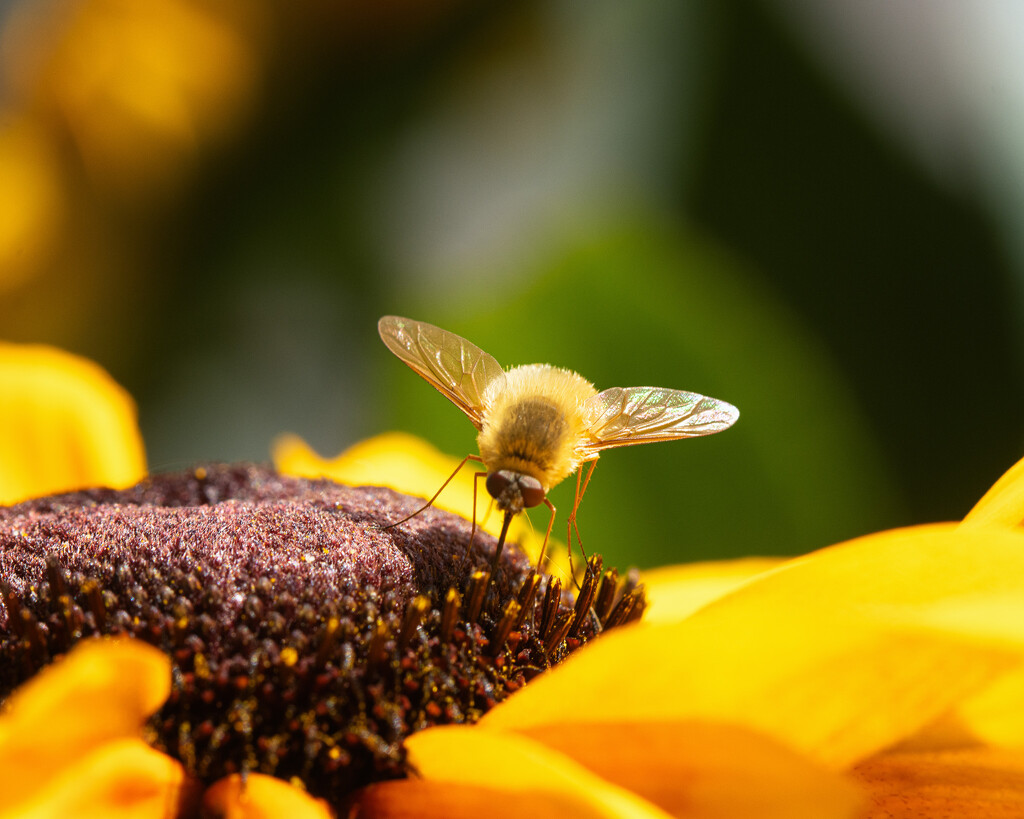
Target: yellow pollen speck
column 200, row 474
column 334, row 753
column 202, row 667
column 289, row 656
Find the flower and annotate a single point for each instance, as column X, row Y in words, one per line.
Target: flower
column 878, row 677
column 31, row 206
column 139, row 89
column 307, row 642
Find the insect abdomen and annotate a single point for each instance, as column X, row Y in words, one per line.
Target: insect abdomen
column 532, row 437
column 533, row 422
column 534, row 431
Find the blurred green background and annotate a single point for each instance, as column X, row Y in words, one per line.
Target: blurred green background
column 808, row 210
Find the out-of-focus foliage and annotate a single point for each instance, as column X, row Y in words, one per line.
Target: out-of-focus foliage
column 903, row 280
column 215, row 201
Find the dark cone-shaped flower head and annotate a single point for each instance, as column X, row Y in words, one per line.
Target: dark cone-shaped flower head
column 307, row 640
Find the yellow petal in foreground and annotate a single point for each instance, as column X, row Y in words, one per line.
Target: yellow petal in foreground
column 707, row 771
column 125, row 779
column 260, row 797
column 64, row 424
column 1003, row 504
column 423, row 799
column 676, row 592
column 995, row 716
column 102, row 691
column 966, row 783
column 516, row 771
column 839, row 654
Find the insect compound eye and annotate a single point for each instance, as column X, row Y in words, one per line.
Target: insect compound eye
column 497, row 483
column 531, row 490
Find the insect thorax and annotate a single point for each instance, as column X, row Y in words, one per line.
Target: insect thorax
column 535, row 425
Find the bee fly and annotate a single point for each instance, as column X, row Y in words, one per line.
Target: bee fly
column 539, row 424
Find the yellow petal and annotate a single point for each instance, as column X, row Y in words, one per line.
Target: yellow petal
column 838, row 654
column 410, row 465
column 403, row 462
column 260, row 797
column 64, row 424
column 423, row 799
column 996, row 715
column 706, row 771
column 971, row 783
column 121, row 780
column 675, row 592
column 516, row 768
column 1003, row 504
column 104, row 690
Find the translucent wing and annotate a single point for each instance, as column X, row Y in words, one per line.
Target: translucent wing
column 455, row 367
column 641, row 415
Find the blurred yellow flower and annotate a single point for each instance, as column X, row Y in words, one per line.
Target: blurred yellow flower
column 879, row 678
column 141, row 87
column 30, row 199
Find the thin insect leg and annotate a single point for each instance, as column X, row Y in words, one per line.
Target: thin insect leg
column 547, row 534
column 572, row 524
column 490, row 508
column 595, row 620
column 472, row 532
column 572, row 513
column 586, row 482
column 572, row 571
column 544, row 547
column 576, row 527
column 568, row 532
column 578, row 498
column 430, row 502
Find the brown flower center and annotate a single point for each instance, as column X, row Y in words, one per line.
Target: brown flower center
column 307, row 642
